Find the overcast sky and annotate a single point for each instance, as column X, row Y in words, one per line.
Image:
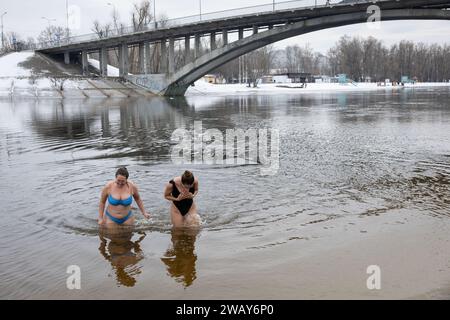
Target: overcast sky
column 25, row 17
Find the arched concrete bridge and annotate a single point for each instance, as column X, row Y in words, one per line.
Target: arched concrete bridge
column 265, row 28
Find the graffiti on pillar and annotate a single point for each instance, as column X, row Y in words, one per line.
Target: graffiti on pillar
column 153, row 82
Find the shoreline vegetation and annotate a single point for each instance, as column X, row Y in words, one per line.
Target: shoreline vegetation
column 29, row 75
column 24, row 75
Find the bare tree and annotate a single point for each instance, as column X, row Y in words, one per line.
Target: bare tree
column 259, row 63
column 155, row 56
column 11, row 41
column 361, row 58
column 30, row 43
column 141, row 15
column 113, row 28
column 102, row 31
column 52, row 35
column 140, row 18
column 14, row 42
column 58, row 83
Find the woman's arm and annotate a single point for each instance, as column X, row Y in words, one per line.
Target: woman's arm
column 101, row 207
column 140, row 203
column 168, row 193
column 195, row 188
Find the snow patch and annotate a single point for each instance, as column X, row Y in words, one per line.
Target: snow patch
column 112, row 71
column 9, row 64
column 202, row 87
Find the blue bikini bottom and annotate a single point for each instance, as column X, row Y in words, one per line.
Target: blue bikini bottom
column 117, row 220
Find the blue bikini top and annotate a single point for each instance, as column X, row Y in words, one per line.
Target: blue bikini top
column 126, row 202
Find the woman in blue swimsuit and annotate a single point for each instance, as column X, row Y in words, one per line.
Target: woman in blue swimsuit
column 120, row 194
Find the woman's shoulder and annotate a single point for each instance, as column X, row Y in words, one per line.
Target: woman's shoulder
column 176, row 180
column 132, row 184
column 107, row 188
column 109, row 184
column 169, row 184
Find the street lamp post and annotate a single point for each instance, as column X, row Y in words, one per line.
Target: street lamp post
column 200, row 4
column 112, row 5
column 48, row 20
column 114, row 16
column 67, row 14
column 67, row 18
column 273, row 5
column 154, row 14
column 3, row 39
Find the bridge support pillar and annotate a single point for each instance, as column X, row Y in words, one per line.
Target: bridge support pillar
column 241, row 33
column 171, row 56
column 225, row 37
column 163, row 61
column 255, row 29
column 103, row 62
column 84, row 62
column 197, row 46
column 123, row 60
column 147, row 57
column 213, row 41
column 67, row 57
column 142, row 62
column 270, row 26
column 187, row 49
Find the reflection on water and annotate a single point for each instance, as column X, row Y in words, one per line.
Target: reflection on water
column 124, row 254
column 141, row 129
column 180, row 258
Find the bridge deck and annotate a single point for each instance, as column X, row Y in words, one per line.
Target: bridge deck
column 232, row 24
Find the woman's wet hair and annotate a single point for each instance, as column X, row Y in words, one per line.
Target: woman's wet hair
column 122, row 172
column 187, row 178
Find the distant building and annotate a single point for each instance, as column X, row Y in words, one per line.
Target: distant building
column 267, row 79
column 324, row 79
column 214, row 79
column 289, row 77
column 342, row 78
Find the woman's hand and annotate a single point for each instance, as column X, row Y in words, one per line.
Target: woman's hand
column 180, row 197
column 184, row 196
column 146, row 215
column 100, row 221
column 189, row 196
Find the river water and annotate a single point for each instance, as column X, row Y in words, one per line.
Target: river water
column 348, row 162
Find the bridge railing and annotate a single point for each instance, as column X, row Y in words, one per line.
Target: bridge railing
column 212, row 16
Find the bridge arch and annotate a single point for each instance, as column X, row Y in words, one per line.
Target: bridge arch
column 179, row 82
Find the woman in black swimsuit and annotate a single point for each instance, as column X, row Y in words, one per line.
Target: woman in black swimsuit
column 181, row 191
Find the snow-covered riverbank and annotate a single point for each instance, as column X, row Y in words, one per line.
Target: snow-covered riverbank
column 202, row 88
column 29, row 75
column 26, row 74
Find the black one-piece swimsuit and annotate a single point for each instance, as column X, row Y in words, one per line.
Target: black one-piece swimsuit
column 184, row 205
